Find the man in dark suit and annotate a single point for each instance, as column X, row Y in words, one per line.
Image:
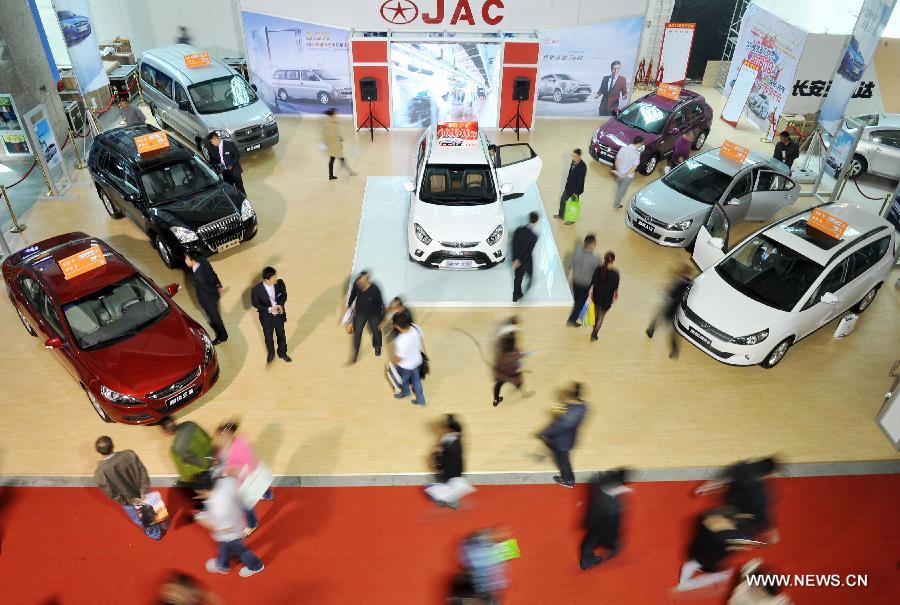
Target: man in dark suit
column 209, row 290
column 611, row 89
column 786, row 150
column 560, row 437
column 574, row 182
column 523, row 241
column 268, row 298
column 603, row 517
column 225, row 157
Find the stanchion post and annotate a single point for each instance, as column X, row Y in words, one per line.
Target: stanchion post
column 16, row 228
column 45, row 175
column 78, row 157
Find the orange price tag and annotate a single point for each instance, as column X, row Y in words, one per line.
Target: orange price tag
column 196, row 59
column 88, row 260
column 151, row 142
column 734, row 152
column 668, row 91
column 826, row 223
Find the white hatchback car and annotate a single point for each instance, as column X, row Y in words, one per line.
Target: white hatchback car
column 750, row 305
column 456, row 218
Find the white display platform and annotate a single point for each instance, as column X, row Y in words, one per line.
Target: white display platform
column 381, row 249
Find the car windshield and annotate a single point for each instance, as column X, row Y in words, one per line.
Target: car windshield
column 114, row 313
column 222, row 94
column 469, row 185
column 769, row 272
column 326, row 75
column 644, row 116
column 564, row 76
column 698, row 181
column 177, row 180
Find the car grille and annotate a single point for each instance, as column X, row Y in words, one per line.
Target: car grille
column 248, row 135
column 459, row 244
column 719, row 334
column 175, row 386
column 605, row 150
column 583, row 90
column 647, row 217
column 345, row 92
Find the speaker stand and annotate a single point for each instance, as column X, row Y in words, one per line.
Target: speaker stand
column 371, row 121
column 520, row 121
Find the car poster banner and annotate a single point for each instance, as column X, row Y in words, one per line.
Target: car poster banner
column 12, row 132
column 739, row 93
column 49, row 154
column 587, row 70
column 872, row 19
column 839, row 151
column 77, row 27
column 298, row 67
column 678, row 38
column 775, row 46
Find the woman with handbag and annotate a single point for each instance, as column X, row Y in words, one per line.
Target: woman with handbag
column 605, row 290
column 448, row 462
column 410, row 359
column 237, row 459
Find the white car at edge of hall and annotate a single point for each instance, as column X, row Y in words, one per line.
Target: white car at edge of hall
column 456, row 217
column 782, row 283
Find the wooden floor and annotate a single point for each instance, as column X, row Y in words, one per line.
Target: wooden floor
column 317, row 416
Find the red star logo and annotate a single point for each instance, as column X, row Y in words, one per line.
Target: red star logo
column 395, row 11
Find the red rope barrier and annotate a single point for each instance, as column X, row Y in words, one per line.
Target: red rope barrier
column 105, row 109
column 877, row 199
column 25, row 176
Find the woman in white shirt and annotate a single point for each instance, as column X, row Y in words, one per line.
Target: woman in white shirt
column 408, row 358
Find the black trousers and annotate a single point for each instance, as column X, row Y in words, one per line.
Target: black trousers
column 524, row 269
column 566, row 194
column 565, row 465
column 359, row 324
column 669, row 319
column 274, row 328
column 211, row 308
column 598, row 319
column 235, row 179
column 331, row 165
column 580, row 294
column 592, row 540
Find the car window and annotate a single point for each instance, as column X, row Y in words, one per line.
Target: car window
column 178, row 180
column 644, row 116
column 278, row 74
column 834, row 281
column 180, row 94
column 866, row 257
column 768, row 180
column 891, row 138
column 678, row 120
column 304, row 74
column 694, row 111
column 222, row 94
column 45, row 307
column 741, row 187
column 698, row 181
column 29, row 289
column 293, row 74
column 452, row 185
column 161, row 82
column 116, row 169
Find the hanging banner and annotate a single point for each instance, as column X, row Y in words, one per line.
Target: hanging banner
column 587, row 70
column 298, row 67
column 739, row 93
column 872, row 19
column 78, row 32
column 678, row 39
column 12, row 131
column 775, row 47
column 839, row 151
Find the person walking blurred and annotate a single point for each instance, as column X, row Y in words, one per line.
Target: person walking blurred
column 225, row 518
column 192, row 449
column 717, row 534
column 561, row 435
column 368, row 310
column 182, row 589
column 756, row 588
column 603, row 517
column 448, row 461
column 669, row 309
column 485, row 570
column 745, row 488
column 268, row 297
column 395, row 308
column 409, row 359
column 235, row 455
column 627, row 161
column 334, row 145
column 523, row 241
column 605, row 290
column 574, row 183
column 508, row 365
column 581, row 273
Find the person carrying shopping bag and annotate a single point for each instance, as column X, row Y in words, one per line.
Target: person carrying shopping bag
column 604, row 290
column 237, row 459
column 570, row 201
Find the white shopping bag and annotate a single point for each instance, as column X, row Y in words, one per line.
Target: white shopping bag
column 255, row 485
column 846, row 326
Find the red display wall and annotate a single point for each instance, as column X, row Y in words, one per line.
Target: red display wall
column 370, row 61
column 519, row 59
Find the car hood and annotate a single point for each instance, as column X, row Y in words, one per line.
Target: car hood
column 574, row 84
column 236, row 119
column 198, row 210
column 150, row 360
column 458, row 223
column 615, row 134
column 75, row 21
column 726, row 309
column 664, row 203
column 338, row 84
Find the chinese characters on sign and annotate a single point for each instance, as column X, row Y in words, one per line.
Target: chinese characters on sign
column 87, row 260
column 819, row 88
column 826, row 223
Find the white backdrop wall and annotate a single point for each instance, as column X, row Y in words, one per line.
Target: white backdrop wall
column 213, row 25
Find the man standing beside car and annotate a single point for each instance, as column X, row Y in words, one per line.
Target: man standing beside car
column 268, row 298
column 574, row 183
column 612, row 88
column 132, row 116
column 786, row 150
column 627, row 160
column 209, row 291
column 523, row 242
column 226, row 158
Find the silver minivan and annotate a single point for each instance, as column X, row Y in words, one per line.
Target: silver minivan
column 195, row 101
column 319, row 84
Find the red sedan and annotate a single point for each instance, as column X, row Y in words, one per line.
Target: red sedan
column 137, row 356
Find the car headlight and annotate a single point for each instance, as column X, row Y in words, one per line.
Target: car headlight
column 207, row 349
column 183, row 234
column 421, row 234
column 270, row 119
column 634, row 202
column 223, row 134
column 681, row 226
column 495, row 236
column 684, row 297
column 752, row 339
column 247, row 211
column 116, row 397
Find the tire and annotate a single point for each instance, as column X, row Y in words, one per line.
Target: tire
column 858, row 166
column 165, row 252
column 649, row 165
column 283, row 95
column 96, row 405
column 108, row 205
column 866, row 301
column 557, row 96
column 158, row 117
column 700, row 140
column 323, row 98
column 25, row 323
column 777, row 354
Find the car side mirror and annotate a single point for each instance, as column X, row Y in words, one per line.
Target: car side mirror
column 184, row 105
column 132, row 197
column 409, row 186
column 733, row 202
column 506, row 188
column 173, row 289
column 253, row 86
column 54, row 343
column 830, row 299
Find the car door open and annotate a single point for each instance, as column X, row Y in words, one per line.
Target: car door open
column 518, row 166
column 772, row 191
column 712, row 239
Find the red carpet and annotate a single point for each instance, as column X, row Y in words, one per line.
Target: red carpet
column 390, row 546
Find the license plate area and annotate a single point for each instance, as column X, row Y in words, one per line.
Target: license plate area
column 457, row 264
column 253, row 147
column 699, row 337
column 228, row 245
column 643, row 226
column 182, row 397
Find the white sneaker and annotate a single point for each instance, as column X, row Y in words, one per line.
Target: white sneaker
column 246, row 572
column 213, row 567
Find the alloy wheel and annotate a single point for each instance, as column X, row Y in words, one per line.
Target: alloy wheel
column 282, row 94
column 164, row 251
column 651, row 164
column 779, row 353
column 107, row 203
column 557, row 96
column 855, row 167
column 324, row 99
column 867, row 300
column 701, row 139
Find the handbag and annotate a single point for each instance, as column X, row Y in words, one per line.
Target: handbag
column 572, row 211
column 152, row 510
column 425, row 368
column 254, row 485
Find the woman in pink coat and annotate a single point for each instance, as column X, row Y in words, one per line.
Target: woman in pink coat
column 238, row 459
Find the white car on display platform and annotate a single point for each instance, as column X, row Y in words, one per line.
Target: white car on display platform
column 750, row 305
column 456, row 217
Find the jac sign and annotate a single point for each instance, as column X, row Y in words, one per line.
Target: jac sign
column 443, row 12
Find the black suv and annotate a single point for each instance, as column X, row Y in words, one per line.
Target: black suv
column 172, row 194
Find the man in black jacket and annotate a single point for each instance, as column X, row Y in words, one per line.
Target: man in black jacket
column 209, row 290
column 268, row 298
column 368, row 309
column 523, row 241
column 225, row 157
column 574, row 183
column 669, row 309
column 603, row 518
column 786, row 150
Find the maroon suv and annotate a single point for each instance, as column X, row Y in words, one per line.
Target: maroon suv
column 660, row 121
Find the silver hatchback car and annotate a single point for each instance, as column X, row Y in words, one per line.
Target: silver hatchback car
column 670, row 211
column 878, row 151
